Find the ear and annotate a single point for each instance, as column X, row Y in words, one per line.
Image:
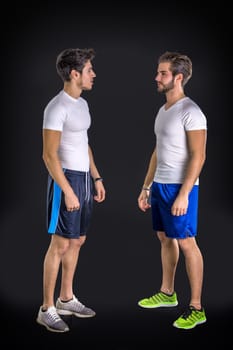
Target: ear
column 74, row 74
column 179, row 77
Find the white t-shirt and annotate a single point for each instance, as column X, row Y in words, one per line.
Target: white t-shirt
column 171, row 143
column 70, row 116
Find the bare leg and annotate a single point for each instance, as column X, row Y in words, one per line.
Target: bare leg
column 194, row 268
column 169, row 258
column 69, row 263
column 56, row 250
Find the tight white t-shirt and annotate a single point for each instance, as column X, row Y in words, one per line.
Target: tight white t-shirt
column 171, row 142
column 70, row 116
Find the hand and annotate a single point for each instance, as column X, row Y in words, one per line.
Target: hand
column 72, row 202
column 100, row 192
column 143, row 200
column 180, row 206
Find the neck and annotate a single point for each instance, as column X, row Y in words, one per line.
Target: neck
column 72, row 90
column 172, row 98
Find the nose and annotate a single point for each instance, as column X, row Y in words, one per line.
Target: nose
column 156, row 77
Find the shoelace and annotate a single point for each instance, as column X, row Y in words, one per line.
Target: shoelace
column 188, row 312
column 53, row 316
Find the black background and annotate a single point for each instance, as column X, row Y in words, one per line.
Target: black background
column 120, row 262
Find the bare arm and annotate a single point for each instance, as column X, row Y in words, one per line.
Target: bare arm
column 51, row 142
column 99, row 187
column 144, row 195
column 196, row 140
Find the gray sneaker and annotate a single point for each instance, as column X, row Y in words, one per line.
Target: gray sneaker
column 51, row 320
column 74, row 307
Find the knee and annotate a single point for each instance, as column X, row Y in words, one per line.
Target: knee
column 162, row 237
column 186, row 244
column 81, row 240
column 78, row 243
column 63, row 248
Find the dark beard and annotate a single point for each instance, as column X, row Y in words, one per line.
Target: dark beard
column 167, row 87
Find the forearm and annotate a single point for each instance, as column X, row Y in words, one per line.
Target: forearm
column 196, row 140
column 193, row 171
column 151, row 171
column 51, row 142
column 93, row 169
column 54, row 168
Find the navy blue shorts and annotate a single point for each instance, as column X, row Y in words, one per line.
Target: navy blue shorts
column 162, row 198
column 66, row 223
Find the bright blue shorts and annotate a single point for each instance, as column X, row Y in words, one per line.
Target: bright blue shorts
column 162, row 198
column 66, row 223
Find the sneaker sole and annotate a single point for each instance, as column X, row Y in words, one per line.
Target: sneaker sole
column 69, row 313
column 51, row 329
column 158, row 305
column 190, row 327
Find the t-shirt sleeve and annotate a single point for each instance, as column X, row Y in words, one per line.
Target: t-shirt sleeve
column 195, row 120
column 54, row 117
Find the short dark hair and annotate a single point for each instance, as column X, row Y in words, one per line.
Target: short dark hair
column 179, row 63
column 70, row 59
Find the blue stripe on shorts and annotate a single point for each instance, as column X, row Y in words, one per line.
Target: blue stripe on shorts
column 55, row 207
column 162, row 198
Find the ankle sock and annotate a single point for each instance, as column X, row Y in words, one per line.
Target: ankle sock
column 169, row 295
column 66, row 301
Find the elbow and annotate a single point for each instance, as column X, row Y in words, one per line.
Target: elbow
column 46, row 158
column 203, row 158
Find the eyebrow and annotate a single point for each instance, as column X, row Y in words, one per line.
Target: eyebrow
column 162, row 71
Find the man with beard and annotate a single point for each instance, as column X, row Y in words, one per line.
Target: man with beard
column 172, row 180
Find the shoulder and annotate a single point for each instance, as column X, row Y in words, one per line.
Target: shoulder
column 57, row 103
column 190, row 106
column 83, row 102
column 55, row 113
column 193, row 116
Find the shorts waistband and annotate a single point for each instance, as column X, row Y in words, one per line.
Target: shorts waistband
column 77, row 172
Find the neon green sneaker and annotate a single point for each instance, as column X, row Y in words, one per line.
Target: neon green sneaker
column 160, row 299
column 190, row 318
